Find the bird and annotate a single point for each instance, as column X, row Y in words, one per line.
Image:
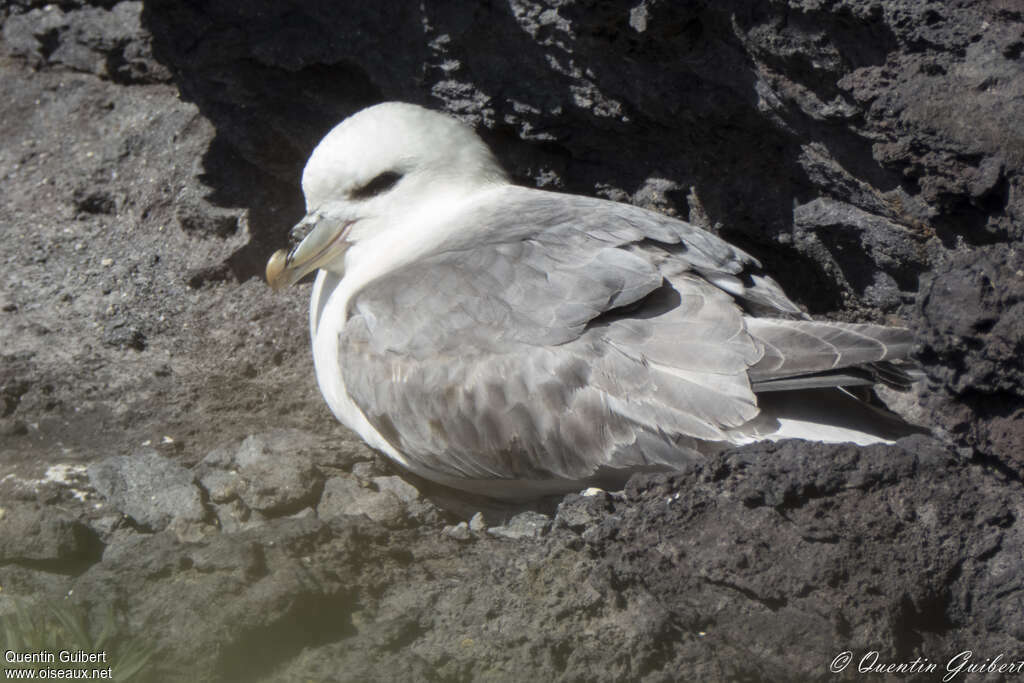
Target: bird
column 513, row 342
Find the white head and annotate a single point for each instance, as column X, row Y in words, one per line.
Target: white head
column 368, row 170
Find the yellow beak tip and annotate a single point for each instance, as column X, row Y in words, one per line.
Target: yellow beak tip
column 276, row 270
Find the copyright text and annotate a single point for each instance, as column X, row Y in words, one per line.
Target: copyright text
column 959, row 665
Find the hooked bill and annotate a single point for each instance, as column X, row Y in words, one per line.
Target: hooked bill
column 275, row 266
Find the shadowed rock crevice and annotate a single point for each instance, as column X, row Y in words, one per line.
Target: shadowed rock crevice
column 309, row 622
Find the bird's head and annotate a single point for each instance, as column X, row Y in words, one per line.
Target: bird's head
column 368, row 171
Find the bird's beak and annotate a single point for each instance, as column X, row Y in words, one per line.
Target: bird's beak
column 324, row 243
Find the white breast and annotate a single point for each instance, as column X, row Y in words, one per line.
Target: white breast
column 421, row 232
column 327, row 314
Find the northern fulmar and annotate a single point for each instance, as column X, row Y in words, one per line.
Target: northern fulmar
column 515, row 342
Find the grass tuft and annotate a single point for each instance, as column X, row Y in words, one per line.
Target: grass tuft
column 52, row 627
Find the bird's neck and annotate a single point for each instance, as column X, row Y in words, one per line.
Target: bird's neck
column 433, row 226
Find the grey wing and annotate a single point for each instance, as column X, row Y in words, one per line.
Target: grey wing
column 568, row 335
column 804, row 354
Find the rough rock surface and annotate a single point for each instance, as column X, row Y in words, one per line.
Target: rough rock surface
column 148, row 488
column 164, row 449
column 39, row 534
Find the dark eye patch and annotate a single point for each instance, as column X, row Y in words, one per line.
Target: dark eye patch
column 382, row 183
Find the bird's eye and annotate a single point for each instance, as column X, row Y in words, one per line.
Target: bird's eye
column 382, row 183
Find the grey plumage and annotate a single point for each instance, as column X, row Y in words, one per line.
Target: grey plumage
column 515, row 342
column 577, row 334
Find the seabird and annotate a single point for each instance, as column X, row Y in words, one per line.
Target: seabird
column 514, row 342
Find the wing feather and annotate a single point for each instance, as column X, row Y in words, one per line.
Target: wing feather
column 553, row 336
column 589, row 340
column 795, row 348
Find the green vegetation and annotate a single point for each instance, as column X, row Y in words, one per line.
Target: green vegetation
column 55, row 627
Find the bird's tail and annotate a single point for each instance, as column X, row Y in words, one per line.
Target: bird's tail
column 832, row 415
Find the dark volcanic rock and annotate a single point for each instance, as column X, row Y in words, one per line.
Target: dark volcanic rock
column 149, row 488
column 344, row 496
column 715, row 572
column 973, row 309
column 524, row 525
column 870, row 154
column 279, row 476
column 106, row 41
column 832, row 547
column 44, row 536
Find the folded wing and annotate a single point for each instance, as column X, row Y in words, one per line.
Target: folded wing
column 560, row 335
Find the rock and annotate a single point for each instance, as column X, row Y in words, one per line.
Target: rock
column 460, row 532
column 149, row 488
column 578, row 512
column 13, row 428
column 107, row 42
column 303, row 513
column 875, row 257
column 120, row 334
column 365, row 471
column 278, row 589
column 234, row 516
column 972, row 312
column 477, row 524
column 398, row 487
column 279, row 477
column 268, row 475
column 30, row 533
column 106, row 525
column 222, row 486
column 524, row 525
column 344, row 496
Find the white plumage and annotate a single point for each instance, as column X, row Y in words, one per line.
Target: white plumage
column 515, row 342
